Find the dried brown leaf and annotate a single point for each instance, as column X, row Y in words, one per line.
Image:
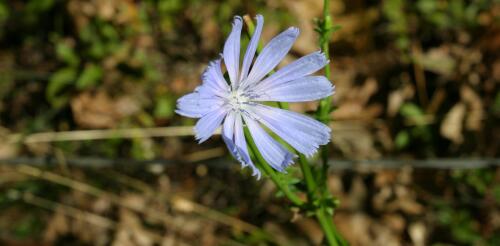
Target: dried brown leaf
column 452, row 125
column 475, row 112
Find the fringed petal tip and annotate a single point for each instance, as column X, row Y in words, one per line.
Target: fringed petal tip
column 211, row 65
column 247, row 162
column 289, row 160
column 237, row 20
column 322, row 54
column 259, row 19
column 294, row 31
column 186, row 114
column 312, row 153
column 255, row 171
column 200, row 138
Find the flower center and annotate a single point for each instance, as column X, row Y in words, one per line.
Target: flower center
column 236, row 100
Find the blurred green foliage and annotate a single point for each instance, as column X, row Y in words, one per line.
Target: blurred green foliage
column 458, row 219
column 407, row 18
column 420, row 133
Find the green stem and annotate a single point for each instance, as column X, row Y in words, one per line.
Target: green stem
column 325, row 32
column 308, row 176
column 328, row 227
column 339, row 237
column 323, row 113
column 263, row 165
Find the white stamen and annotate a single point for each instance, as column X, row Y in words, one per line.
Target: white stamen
column 236, row 100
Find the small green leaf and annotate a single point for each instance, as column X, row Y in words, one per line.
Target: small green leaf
column 97, row 49
column 496, row 193
column 335, row 28
column 4, row 12
column 164, row 107
column 109, row 32
column 413, row 112
column 496, row 104
column 294, row 181
column 39, row 5
column 89, row 77
column 57, row 82
column 280, row 194
column 66, row 54
column 402, row 139
column 427, row 6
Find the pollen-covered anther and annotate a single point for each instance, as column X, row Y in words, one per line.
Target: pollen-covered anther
column 236, row 100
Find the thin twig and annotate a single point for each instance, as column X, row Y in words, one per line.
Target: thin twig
column 205, row 154
column 420, row 76
column 80, row 135
column 69, row 211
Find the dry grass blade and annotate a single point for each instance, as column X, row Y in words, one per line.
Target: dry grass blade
column 43, row 137
column 69, row 211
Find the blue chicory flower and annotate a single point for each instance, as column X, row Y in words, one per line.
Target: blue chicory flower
column 233, row 105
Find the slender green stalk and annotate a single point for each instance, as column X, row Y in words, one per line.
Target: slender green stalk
column 325, row 27
column 325, row 30
column 339, row 237
column 263, row 165
column 314, row 203
column 308, row 176
column 328, row 228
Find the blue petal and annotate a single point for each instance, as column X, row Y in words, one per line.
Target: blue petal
column 197, row 104
column 241, row 144
column 272, row 55
column 206, row 125
column 307, row 88
column 231, row 52
column 213, row 80
column 228, row 134
column 252, row 47
column 301, row 132
column 273, row 152
column 304, row 66
column 232, row 134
